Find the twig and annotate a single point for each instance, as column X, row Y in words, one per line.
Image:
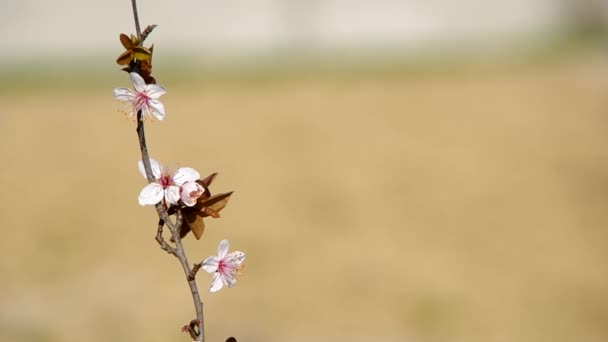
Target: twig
column 136, row 17
column 195, row 268
column 163, row 215
column 146, row 32
column 161, row 241
column 181, row 255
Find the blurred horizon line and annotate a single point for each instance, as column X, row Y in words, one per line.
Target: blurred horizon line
column 28, row 71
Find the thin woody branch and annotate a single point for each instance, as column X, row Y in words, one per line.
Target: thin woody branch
column 181, row 255
column 146, row 32
column 136, row 18
column 194, row 271
column 161, row 241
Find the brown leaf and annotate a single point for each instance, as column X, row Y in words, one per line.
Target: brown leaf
column 192, row 221
column 145, row 68
column 210, row 212
column 197, row 226
column 124, row 58
column 141, row 53
column 215, row 202
column 206, row 182
column 126, row 41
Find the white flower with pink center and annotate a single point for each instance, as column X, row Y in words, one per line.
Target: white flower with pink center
column 170, row 186
column 225, row 266
column 144, row 98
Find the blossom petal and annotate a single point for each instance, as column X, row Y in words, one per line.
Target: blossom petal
column 190, row 192
column 229, row 280
column 222, row 249
column 151, row 194
column 185, row 174
column 172, row 194
column 238, row 257
column 124, row 94
column 156, row 168
column 210, row 264
column 157, row 108
column 138, row 82
column 216, row 283
column 155, row 91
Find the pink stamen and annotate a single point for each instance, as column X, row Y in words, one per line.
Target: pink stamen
column 141, row 100
column 222, row 267
column 165, row 181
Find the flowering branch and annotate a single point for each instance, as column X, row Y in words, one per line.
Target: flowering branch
column 174, row 228
column 181, row 194
column 178, row 251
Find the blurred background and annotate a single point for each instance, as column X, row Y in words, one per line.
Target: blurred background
column 405, row 170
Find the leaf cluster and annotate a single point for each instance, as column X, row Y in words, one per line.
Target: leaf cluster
column 136, row 57
column 208, row 205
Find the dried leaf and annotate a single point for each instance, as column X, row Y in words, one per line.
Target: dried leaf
column 216, row 203
column 197, row 227
column 210, row 212
column 194, row 222
column 125, row 41
column 133, row 51
column 206, row 182
column 141, row 53
column 145, row 68
column 124, row 58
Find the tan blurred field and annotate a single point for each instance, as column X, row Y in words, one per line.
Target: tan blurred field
column 409, row 206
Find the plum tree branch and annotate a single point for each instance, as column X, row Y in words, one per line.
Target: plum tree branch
column 164, row 219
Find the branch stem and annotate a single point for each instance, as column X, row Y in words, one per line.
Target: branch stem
column 136, row 17
column 163, row 215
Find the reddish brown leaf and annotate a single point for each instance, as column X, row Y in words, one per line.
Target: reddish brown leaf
column 126, row 41
column 197, row 227
column 210, row 212
column 215, row 202
column 209, row 179
column 146, row 68
column 193, row 221
column 207, row 205
column 124, row 58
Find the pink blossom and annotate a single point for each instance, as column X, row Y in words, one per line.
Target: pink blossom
column 225, row 266
column 170, row 185
column 144, row 98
